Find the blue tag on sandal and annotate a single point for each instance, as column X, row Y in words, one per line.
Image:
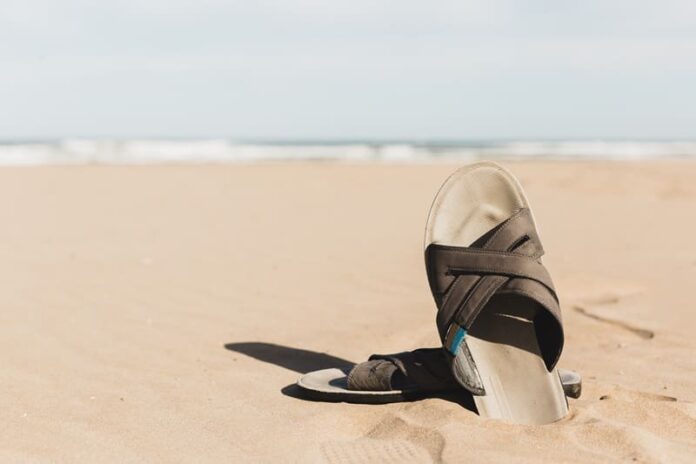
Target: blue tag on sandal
column 455, row 337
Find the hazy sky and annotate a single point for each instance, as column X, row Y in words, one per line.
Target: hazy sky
column 355, row 68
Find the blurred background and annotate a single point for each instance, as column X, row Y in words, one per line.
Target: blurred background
column 227, row 81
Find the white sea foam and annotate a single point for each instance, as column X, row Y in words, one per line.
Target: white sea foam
column 90, row 151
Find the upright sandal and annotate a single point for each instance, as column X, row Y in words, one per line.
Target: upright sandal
column 498, row 314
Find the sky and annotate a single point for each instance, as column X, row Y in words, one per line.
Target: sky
column 367, row 69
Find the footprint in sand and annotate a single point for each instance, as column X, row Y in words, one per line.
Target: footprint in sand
column 602, row 300
column 635, row 425
column 392, row 439
column 369, row 450
column 642, row 333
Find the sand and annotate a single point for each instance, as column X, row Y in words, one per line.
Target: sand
column 162, row 313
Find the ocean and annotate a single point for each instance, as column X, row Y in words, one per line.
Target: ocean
column 219, row 150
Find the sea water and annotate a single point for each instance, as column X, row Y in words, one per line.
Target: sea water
column 220, row 150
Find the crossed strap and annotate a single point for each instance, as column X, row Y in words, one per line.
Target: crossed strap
column 504, row 261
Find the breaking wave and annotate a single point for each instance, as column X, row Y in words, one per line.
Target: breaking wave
column 90, row 151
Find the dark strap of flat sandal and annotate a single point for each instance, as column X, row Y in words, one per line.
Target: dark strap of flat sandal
column 504, row 262
column 423, row 370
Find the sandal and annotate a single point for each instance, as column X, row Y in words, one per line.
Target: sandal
column 498, row 314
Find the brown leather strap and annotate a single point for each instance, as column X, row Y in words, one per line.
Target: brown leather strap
column 480, row 261
column 505, row 260
column 423, row 370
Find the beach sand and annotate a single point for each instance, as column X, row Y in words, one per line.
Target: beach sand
column 163, row 313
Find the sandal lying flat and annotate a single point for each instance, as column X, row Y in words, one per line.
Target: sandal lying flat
column 498, row 314
column 398, row 377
